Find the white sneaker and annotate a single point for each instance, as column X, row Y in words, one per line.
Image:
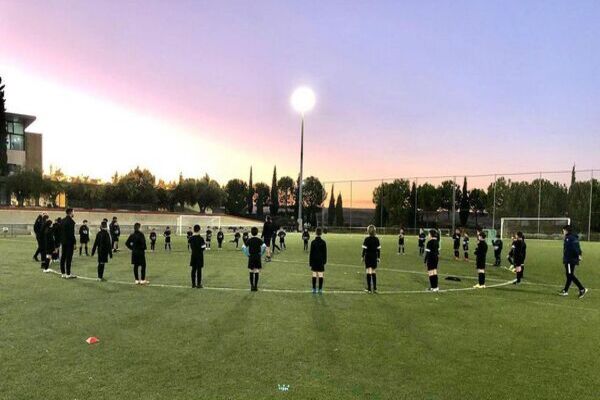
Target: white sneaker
column 137, row 282
column 437, row 289
column 144, row 282
column 46, row 271
column 563, row 293
column 63, row 275
column 71, row 276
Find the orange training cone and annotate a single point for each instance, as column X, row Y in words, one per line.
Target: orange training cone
column 92, row 340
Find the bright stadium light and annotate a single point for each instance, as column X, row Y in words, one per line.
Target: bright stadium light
column 303, row 100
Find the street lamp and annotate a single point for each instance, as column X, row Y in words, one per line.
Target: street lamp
column 303, row 100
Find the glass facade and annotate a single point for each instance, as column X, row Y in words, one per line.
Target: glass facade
column 15, row 140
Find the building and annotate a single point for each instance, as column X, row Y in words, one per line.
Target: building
column 24, row 149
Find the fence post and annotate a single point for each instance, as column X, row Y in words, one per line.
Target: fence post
column 539, row 204
column 494, row 204
column 591, row 198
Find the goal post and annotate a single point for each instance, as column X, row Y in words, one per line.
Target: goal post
column 540, row 228
column 185, row 221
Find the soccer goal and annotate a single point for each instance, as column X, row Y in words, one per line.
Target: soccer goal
column 540, row 228
column 186, row 221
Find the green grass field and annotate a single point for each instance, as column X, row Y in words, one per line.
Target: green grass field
column 168, row 341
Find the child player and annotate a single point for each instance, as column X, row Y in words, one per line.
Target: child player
column 208, row 237
column 371, row 254
column 511, row 253
column 189, row 234
column 456, row 243
column 519, row 255
column 497, row 243
column 421, row 241
column 281, row 235
column 236, row 239
column 245, row 238
column 153, row 239
column 466, row 246
column 317, row 261
column 115, row 233
column 305, row 238
column 103, row 245
column 480, row 259
column 84, row 237
column 432, row 255
column 198, row 246
column 220, row 237
column 167, row 235
column 137, row 244
column 401, row 242
column 254, row 250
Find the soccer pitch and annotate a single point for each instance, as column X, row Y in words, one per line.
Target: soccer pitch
column 169, row 341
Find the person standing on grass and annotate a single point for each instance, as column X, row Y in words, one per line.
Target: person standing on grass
column 421, row 241
column 103, row 245
column 305, row 238
column 456, row 243
column 236, row 239
column 571, row 257
column 480, row 259
column 189, row 234
column 68, row 243
column 466, row 246
column 137, row 244
column 208, row 237
column 245, row 237
column 167, row 235
column 267, row 236
column 254, row 250
column 84, row 237
column 115, row 233
column 497, row 250
column 38, row 225
column 401, row 242
column 274, row 240
column 371, row 254
column 281, row 235
column 197, row 246
column 431, row 259
column 152, row 237
column 47, row 244
column 317, row 260
column 519, row 255
column 220, row 238
column 511, row 253
column 57, row 232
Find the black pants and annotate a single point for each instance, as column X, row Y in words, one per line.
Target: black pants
column 168, row 244
column 66, row 258
column 401, row 248
column 196, row 276
column 497, row 255
column 136, row 273
column 421, row 250
column 282, row 244
column 83, row 246
column 152, row 245
column 274, row 246
column 45, row 260
column 306, row 245
column 220, row 242
column 38, row 251
column 100, row 270
column 237, row 243
column 456, row 253
column 571, row 278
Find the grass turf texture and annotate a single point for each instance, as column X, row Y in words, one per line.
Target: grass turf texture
column 174, row 342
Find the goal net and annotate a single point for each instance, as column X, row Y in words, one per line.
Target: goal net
column 184, row 222
column 539, row 228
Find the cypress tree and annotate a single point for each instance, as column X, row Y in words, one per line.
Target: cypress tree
column 274, row 204
column 331, row 210
column 3, row 147
column 464, row 205
column 250, row 196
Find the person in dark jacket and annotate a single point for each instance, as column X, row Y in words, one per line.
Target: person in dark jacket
column 371, row 254
column 115, row 233
column 68, row 243
column 480, row 259
column 281, row 235
column 571, row 257
column 401, row 242
column 305, row 238
column 47, row 244
column 456, row 244
column 220, row 238
column 38, row 225
column 167, row 235
column 197, row 245
column 136, row 242
column 57, row 232
column 254, row 250
column 103, row 246
column 152, row 237
column 510, row 257
column 431, row 260
column 267, row 235
column 421, row 241
column 317, row 260
column 245, row 238
column 498, row 245
column 236, row 238
column 84, row 237
column 208, row 240
column 519, row 255
column 466, row 246
column 189, row 235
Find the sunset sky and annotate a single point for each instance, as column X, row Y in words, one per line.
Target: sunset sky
column 403, row 88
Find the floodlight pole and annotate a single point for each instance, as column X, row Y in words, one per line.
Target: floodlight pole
column 590, row 214
column 539, row 204
column 494, row 204
column 300, row 223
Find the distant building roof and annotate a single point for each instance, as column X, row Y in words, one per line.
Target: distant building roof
column 26, row 120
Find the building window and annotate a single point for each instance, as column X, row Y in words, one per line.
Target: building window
column 15, row 140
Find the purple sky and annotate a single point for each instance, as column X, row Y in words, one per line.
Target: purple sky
column 403, row 88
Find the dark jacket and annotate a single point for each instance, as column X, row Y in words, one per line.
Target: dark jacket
column 115, row 230
column 48, row 245
column 198, row 246
column 136, row 242
column 571, row 249
column 371, row 251
column 38, row 226
column 103, row 245
column 318, row 253
column 84, row 234
column 519, row 252
column 481, row 253
column 432, row 253
column 68, row 232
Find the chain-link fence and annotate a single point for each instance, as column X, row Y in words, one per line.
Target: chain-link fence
column 530, row 199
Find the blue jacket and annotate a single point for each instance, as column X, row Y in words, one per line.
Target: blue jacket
column 571, row 249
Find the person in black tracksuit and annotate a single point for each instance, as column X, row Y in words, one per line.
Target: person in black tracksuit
column 68, row 243
column 498, row 245
column 511, row 252
column 57, row 232
column 519, row 255
column 197, row 246
column 84, row 237
column 152, row 237
column 421, row 241
column 305, row 238
column 220, row 238
column 236, row 239
column 317, row 260
column 267, row 236
column 281, row 235
column 103, row 246
column 371, row 254
column 245, row 238
column 480, row 260
column 47, row 244
column 456, row 244
column 274, row 241
column 167, row 235
column 571, row 257
column 208, row 238
column 38, row 225
column 115, row 233
column 466, row 246
column 189, row 236
column 254, row 249
column 431, row 260
column 136, row 242
column 401, row 242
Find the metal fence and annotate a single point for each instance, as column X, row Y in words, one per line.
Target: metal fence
column 568, row 193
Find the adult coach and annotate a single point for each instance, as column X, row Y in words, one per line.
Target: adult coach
column 267, row 235
column 571, row 257
column 68, row 243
